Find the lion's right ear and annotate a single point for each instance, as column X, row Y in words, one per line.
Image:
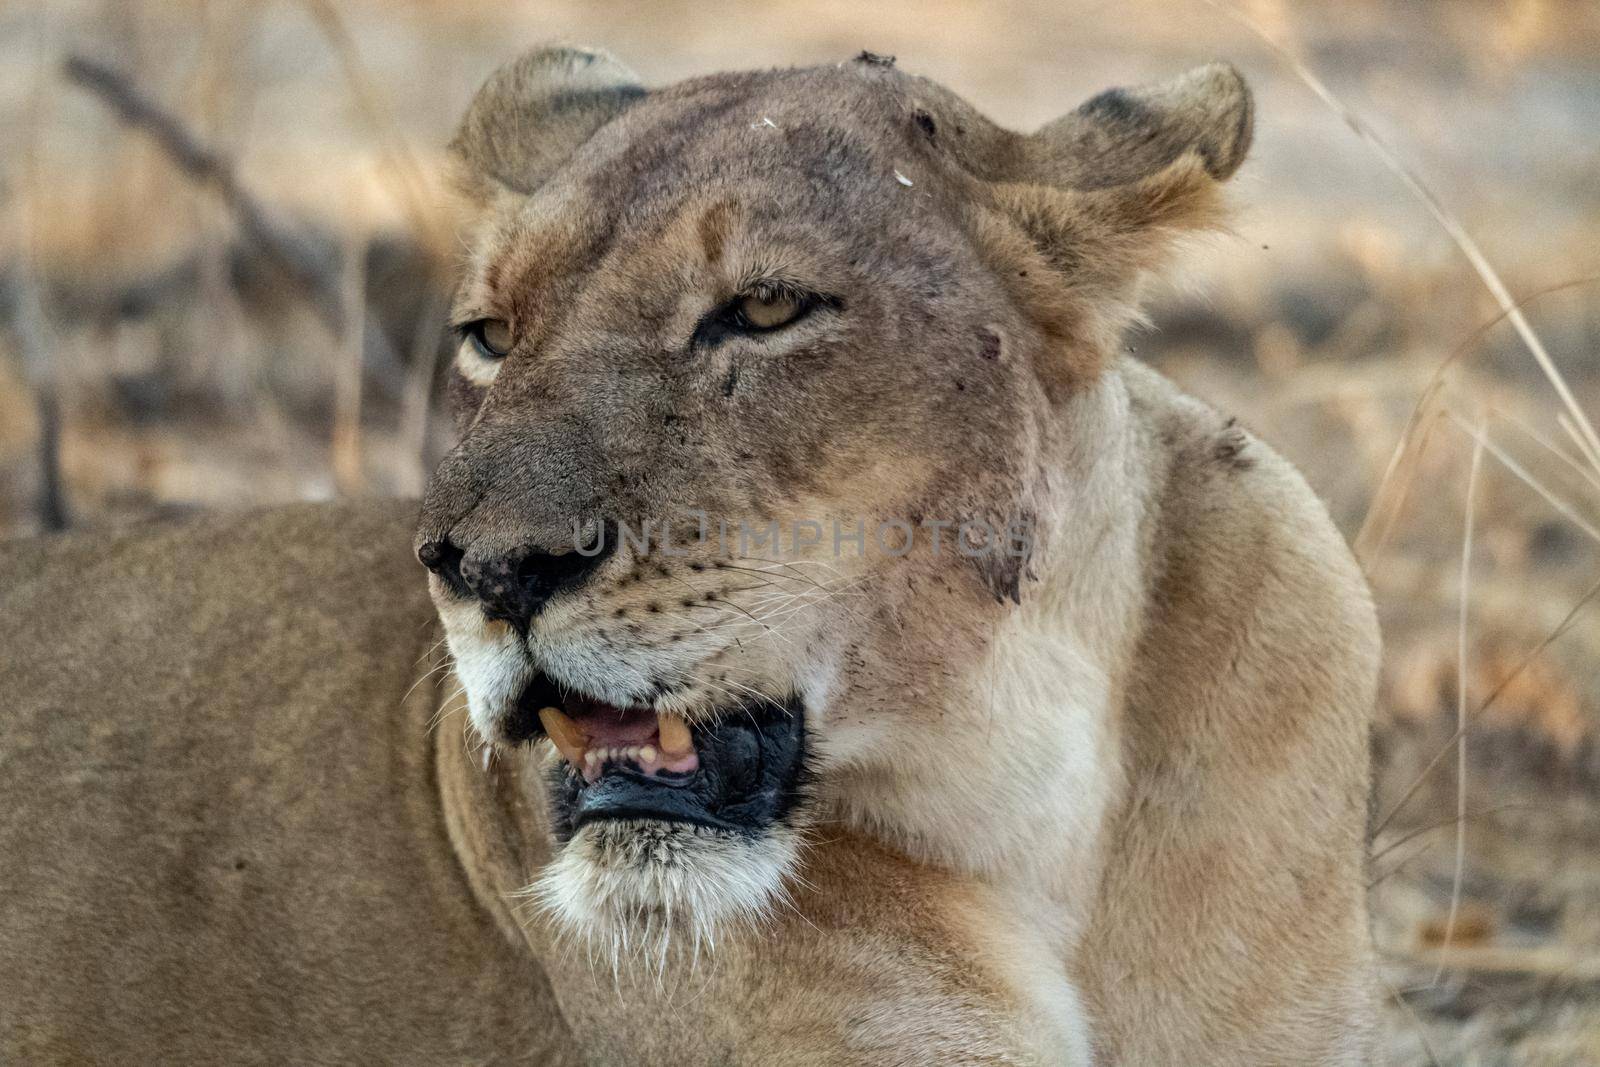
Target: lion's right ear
column 533, row 113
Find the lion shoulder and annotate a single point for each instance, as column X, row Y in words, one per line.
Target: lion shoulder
column 1236, row 528
column 1245, row 736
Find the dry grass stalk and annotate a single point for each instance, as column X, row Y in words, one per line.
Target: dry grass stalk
column 1416, row 1022
column 1553, row 963
column 1458, row 819
column 1573, row 465
column 1525, row 476
column 28, row 323
column 1461, row 708
column 346, row 443
column 417, row 402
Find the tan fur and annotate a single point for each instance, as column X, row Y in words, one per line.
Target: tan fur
column 1103, row 804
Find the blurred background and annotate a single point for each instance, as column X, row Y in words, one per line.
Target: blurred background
column 224, row 270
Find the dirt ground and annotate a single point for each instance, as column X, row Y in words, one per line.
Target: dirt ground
column 144, row 331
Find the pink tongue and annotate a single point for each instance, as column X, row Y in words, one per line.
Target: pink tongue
column 612, row 727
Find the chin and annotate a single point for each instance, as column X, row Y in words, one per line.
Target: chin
column 639, row 892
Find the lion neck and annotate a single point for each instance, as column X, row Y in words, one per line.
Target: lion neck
column 1018, row 792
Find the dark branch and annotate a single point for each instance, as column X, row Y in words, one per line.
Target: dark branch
column 302, row 263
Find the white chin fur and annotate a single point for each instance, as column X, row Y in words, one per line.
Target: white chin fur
column 638, row 892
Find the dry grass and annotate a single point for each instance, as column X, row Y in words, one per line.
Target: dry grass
column 1408, row 312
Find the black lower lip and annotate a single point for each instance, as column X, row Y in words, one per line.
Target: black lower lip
column 751, row 767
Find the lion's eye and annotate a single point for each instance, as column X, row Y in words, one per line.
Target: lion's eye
column 769, row 310
column 490, row 337
column 765, row 308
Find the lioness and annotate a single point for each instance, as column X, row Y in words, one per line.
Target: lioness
column 1023, row 611
column 1004, row 705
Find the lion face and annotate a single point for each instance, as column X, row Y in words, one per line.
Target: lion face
column 760, row 382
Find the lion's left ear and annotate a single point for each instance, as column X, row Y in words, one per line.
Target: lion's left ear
column 1100, row 193
column 1126, row 136
column 534, row 113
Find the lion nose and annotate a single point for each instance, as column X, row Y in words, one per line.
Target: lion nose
column 514, row 586
column 444, row 559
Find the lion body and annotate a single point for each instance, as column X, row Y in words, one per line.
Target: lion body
column 222, row 828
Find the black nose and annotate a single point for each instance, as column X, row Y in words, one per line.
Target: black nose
column 513, row 587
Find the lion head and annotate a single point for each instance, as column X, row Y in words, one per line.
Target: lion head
column 780, row 416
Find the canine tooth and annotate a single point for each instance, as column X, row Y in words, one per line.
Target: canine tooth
column 592, row 757
column 674, row 734
column 647, row 754
column 564, row 733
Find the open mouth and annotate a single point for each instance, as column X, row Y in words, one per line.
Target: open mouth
column 738, row 770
